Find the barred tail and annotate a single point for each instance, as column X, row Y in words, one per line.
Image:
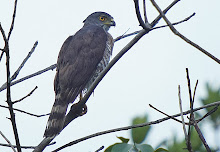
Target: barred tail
column 56, row 119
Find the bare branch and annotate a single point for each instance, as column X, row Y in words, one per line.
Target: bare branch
column 207, row 114
column 128, row 127
column 201, row 136
column 166, row 114
column 31, row 75
column 189, row 146
column 136, row 32
column 10, row 105
column 22, row 64
column 29, row 94
column 13, row 20
column 145, row 12
column 181, row 111
column 2, row 55
column 102, row 147
column 23, row 147
column 144, row 25
column 182, row 36
column 15, row 109
column 9, row 143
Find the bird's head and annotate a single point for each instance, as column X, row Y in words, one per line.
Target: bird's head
column 101, row 19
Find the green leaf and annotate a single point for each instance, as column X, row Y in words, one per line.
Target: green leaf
column 144, row 147
column 161, row 150
column 122, row 147
column 109, row 149
column 213, row 95
column 139, row 134
column 124, row 140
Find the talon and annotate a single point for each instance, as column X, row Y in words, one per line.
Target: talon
column 84, row 110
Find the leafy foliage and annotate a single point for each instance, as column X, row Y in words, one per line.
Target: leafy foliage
column 213, row 95
column 138, row 136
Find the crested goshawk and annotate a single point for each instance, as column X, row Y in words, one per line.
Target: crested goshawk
column 82, row 57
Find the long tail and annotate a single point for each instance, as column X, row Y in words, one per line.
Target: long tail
column 56, row 119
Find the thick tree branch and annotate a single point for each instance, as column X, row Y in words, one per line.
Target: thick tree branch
column 10, row 105
column 82, row 102
column 145, row 25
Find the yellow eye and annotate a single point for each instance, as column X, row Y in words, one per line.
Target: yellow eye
column 102, row 18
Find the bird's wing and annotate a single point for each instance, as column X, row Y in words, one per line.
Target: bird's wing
column 78, row 59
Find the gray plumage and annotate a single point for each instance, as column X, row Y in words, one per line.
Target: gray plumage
column 82, row 57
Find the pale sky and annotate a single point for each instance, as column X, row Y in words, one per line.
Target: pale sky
column 148, row 74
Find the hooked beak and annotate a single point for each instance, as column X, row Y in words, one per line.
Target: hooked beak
column 112, row 23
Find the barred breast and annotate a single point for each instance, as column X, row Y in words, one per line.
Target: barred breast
column 104, row 62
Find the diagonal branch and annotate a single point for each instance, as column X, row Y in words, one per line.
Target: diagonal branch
column 133, row 126
column 22, row 111
column 14, row 76
column 82, row 102
column 167, row 114
column 29, row 94
column 52, row 67
column 23, row 147
column 182, row 36
column 9, row 143
column 183, row 122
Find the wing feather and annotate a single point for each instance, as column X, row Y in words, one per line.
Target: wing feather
column 77, row 61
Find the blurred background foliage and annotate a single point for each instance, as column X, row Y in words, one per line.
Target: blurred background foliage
column 139, row 136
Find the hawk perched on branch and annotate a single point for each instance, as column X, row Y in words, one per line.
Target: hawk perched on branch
column 82, row 57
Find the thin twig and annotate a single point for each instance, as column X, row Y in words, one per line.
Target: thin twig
column 181, row 111
column 145, row 12
column 189, row 145
column 13, row 20
column 166, row 114
column 130, row 127
column 14, row 76
column 2, row 55
column 102, row 147
column 22, row 111
column 207, row 114
column 182, row 36
column 29, row 94
column 9, row 143
column 52, row 67
column 202, row 137
column 136, row 32
column 24, row 147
